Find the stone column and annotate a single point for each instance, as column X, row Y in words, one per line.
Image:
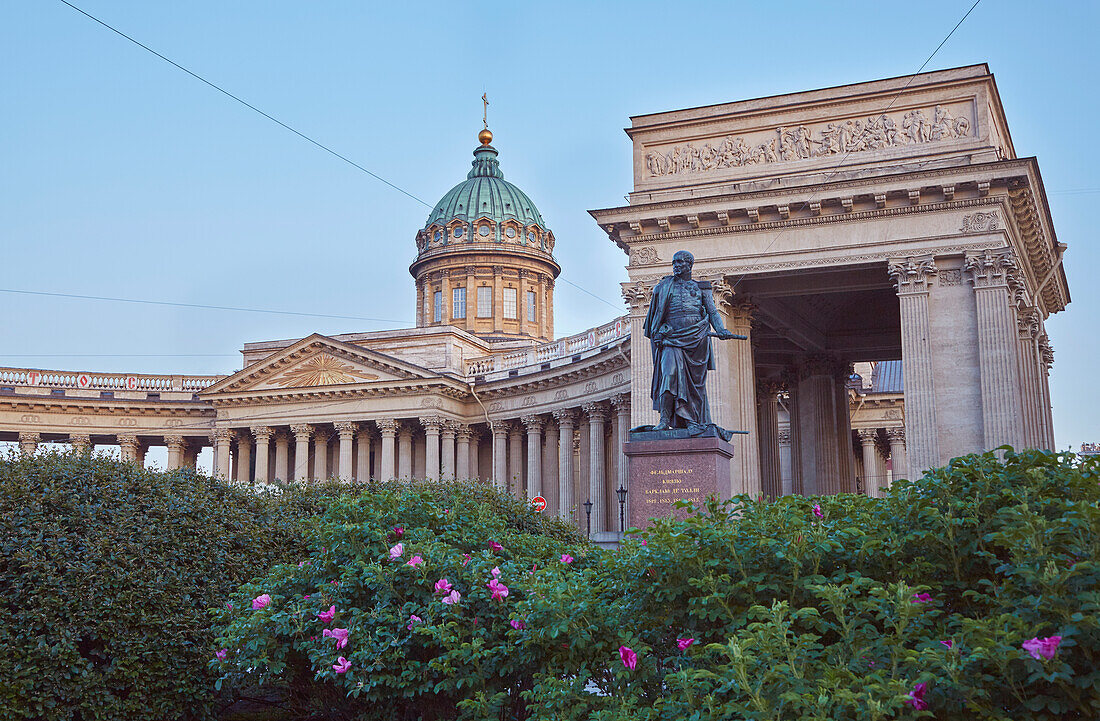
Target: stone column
column 263, row 441
column 621, row 406
column 498, row 299
column 462, row 468
column 346, row 431
column 1046, row 355
column 997, row 332
column 817, row 427
column 845, row 457
column 388, row 428
column 515, row 459
column 896, row 437
column 566, row 439
column 28, row 443
column 597, row 484
column 913, row 278
column 447, row 451
column 733, row 406
column 363, row 443
column 81, row 442
column 244, row 458
column 404, row 451
column 127, row 443
column 445, row 297
column 794, row 427
column 475, row 454
column 223, row 437
column 282, row 457
column 637, row 296
column 871, row 473
column 432, row 426
column 142, row 449
column 550, row 454
column 176, row 448
column 767, row 428
column 320, row 455
column 534, row 455
column 521, row 302
column 302, row 433
column 786, row 463
column 420, row 319
column 500, row 455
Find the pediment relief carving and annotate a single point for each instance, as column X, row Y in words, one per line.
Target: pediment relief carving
column 316, row 363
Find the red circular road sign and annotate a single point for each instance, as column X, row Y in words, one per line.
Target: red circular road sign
column 539, row 503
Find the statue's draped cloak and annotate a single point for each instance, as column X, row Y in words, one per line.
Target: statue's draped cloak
column 681, row 362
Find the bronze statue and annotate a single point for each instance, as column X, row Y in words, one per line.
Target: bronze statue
column 678, row 325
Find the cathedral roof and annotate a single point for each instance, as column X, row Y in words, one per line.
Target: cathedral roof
column 485, row 194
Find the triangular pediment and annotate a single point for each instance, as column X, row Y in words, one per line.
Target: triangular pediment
column 319, row 362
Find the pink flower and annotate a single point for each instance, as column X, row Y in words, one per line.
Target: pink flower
column 1040, row 648
column 921, row 598
column 328, row 615
column 340, row 634
column 496, row 546
column 305, row 597
column 261, row 601
column 630, row 659
column 518, row 624
column 683, row 643
column 229, row 606
column 495, row 573
column 466, row 558
column 949, row 642
column 817, row 511
column 916, row 697
column 566, row 558
column 397, row 532
column 499, row 589
column 220, row 655
column 342, row 665
column 443, row 586
column 413, row 620
column 452, row 598
column 396, row 551
column 415, row 561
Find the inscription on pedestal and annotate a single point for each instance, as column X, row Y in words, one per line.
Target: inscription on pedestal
column 665, row 471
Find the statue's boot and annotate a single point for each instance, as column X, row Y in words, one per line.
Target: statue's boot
column 667, row 404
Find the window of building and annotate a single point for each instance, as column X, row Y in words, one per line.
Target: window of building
column 458, row 303
column 437, row 302
column 531, row 305
column 509, row 302
column 484, row 302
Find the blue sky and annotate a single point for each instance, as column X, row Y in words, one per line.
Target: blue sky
column 125, row 177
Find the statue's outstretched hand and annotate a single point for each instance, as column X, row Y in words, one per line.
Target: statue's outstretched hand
column 726, row 335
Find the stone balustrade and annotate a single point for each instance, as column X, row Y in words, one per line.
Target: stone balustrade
column 34, row 377
column 533, row 358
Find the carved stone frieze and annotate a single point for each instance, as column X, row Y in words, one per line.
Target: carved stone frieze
column 801, row 143
column 980, row 222
column 950, row 277
column 645, row 256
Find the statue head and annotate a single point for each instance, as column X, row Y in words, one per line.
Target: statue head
column 682, row 261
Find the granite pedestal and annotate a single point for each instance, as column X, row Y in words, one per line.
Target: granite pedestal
column 670, row 466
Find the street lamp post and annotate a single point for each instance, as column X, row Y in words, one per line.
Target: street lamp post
column 588, row 512
column 621, row 493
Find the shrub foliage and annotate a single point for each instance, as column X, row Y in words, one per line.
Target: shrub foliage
column 916, row 605
column 108, row 572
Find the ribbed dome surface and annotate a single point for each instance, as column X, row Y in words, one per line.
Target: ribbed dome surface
column 485, row 194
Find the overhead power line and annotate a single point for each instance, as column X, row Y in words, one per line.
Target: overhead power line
column 200, row 305
column 247, row 104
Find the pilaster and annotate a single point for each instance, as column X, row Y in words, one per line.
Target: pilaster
column 566, row 440
column 534, row 426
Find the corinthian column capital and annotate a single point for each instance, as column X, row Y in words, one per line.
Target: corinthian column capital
column 912, row 275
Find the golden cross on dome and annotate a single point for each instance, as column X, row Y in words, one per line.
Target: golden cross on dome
column 485, row 109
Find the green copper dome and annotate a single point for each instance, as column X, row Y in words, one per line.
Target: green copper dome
column 485, row 194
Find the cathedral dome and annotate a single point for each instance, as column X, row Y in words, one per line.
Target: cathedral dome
column 484, row 260
column 485, row 194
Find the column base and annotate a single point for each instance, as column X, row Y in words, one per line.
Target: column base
column 662, row 472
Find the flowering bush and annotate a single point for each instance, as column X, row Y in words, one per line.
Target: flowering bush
column 107, row 572
column 437, row 638
column 969, row 594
